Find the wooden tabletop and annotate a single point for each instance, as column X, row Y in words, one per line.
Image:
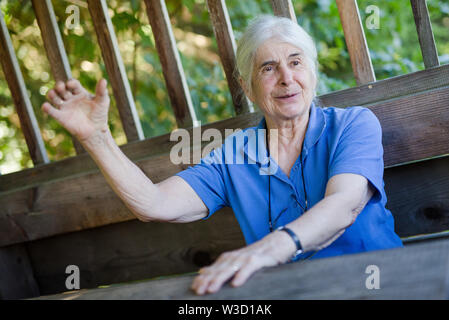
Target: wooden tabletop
column 418, row 271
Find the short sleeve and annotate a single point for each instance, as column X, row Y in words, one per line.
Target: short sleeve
column 206, row 179
column 359, row 149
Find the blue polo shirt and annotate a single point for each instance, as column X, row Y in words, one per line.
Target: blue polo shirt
column 337, row 141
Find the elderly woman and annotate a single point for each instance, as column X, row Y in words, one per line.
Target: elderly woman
column 313, row 186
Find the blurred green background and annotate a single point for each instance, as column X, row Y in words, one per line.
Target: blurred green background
column 394, row 50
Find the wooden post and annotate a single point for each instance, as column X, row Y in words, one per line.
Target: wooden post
column 356, row 41
column 171, row 63
column 54, row 47
column 283, row 8
column 116, row 70
column 20, row 97
column 425, row 34
column 226, row 49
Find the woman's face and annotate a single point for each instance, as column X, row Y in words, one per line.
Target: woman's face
column 282, row 82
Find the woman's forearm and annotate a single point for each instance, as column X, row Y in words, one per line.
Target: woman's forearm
column 323, row 223
column 127, row 180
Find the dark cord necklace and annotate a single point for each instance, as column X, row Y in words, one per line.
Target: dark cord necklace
column 270, row 219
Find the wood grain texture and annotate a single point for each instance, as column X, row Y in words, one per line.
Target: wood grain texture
column 418, row 196
column 283, row 8
column 17, row 279
column 226, row 49
column 172, row 69
column 133, row 250
column 356, row 41
column 54, row 47
column 425, row 33
column 19, row 94
column 415, row 272
column 116, row 70
column 395, row 87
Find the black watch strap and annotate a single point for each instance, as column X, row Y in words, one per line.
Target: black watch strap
column 294, row 238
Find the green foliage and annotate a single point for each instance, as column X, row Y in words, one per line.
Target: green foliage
column 394, row 50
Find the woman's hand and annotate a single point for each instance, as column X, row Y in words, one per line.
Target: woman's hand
column 274, row 249
column 81, row 113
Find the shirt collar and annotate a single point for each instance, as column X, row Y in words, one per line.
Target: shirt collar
column 315, row 128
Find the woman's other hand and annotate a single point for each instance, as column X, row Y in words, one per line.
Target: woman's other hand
column 274, row 249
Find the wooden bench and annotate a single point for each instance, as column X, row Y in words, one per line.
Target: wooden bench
column 63, row 213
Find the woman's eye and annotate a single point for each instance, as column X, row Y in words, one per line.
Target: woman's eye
column 296, row 62
column 268, row 68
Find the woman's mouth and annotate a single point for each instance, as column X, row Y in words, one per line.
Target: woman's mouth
column 287, row 96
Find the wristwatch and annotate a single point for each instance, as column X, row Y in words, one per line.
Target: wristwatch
column 295, row 239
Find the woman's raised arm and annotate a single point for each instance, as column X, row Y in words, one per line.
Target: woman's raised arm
column 86, row 117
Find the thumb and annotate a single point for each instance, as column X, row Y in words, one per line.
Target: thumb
column 101, row 92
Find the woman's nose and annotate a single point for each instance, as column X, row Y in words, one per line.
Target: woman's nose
column 285, row 76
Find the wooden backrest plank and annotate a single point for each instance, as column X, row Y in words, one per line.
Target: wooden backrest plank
column 425, row 34
column 362, row 95
column 390, row 88
column 283, row 8
column 116, row 70
column 13, row 75
column 356, row 41
column 226, row 49
column 54, row 47
column 172, row 69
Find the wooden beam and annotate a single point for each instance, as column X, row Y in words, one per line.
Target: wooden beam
column 54, row 47
column 415, row 272
column 133, row 250
column 175, row 80
column 356, row 41
column 283, row 8
column 17, row 280
column 369, row 94
column 13, row 75
column 425, row 34
column 399, row 86
column 116, row 70
column 226, row 49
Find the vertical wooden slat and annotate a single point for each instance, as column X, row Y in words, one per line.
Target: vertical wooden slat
column 171, row 63
column 356, row 41
column 283, row 8
column 20, row 97
column 226, row 49
column 425, row 34
column 54, row 47
column 116, row 70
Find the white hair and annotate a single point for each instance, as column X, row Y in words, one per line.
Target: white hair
column 266, row 27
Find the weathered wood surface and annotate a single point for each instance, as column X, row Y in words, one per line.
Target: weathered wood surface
column 419, row 271
column 226, row 49
column 116, row 69
column 133, row 250
column 17, row 279
column 418, row 196
column 19, row 95
column 54, row 47
column 172, row 69
column 414, row 128
column 283, row 8
column 356, row 41
column 425, row 33
column 362, row 95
